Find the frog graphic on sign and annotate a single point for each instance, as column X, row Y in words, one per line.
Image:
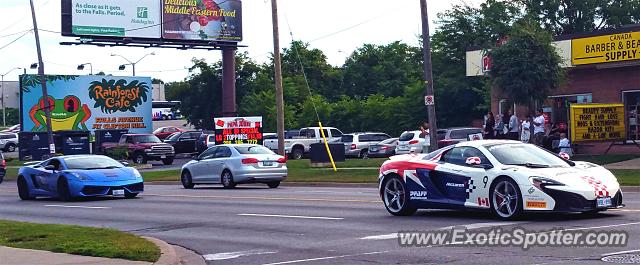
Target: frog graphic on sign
column 67, row 114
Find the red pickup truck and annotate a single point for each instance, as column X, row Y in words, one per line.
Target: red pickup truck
column 144, row 147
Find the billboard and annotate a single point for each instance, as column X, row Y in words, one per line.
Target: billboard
column 597, row 122
column 86, row 103
column 605, row 49
column 141, row 21
column 239, row 130
column 202, row 20
column 113, row 18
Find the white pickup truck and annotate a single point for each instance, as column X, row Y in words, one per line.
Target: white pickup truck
column 297, row 146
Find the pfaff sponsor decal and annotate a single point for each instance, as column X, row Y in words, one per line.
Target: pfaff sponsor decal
column 418, row 194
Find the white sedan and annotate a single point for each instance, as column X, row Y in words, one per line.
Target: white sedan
column 505, row 177
column 232, row 164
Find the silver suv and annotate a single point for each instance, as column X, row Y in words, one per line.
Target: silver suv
column 8, row 142
column 357, row 144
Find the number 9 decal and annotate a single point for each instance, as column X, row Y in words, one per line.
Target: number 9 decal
column 485, row 180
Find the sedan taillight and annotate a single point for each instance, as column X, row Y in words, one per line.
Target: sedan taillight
column 384, row 147
column 354, row 146
column 4, row 163
column 282, row 160
column 250, row 161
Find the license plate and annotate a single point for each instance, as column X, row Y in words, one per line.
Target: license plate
column 403, row 147
column 117, row 192
column 267, row 164
column 163, row 157
column 374, row 149
column 603, row 202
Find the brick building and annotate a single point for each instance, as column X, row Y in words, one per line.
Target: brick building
column 602, row 67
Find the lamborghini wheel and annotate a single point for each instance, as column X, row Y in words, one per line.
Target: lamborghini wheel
column 23, row 190
column 63, row 190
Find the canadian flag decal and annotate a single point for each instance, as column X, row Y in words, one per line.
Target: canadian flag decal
column 483, row 201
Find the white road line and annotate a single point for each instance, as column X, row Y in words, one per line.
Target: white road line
column 233, row 255
column 468, row 227
column 326, row 258
column 621, row 252
column 77, row 206
column 290, row 216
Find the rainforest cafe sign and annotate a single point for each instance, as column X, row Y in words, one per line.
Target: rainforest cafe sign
column 112, row 96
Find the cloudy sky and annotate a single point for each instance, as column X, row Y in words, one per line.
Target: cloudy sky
column 335, row 26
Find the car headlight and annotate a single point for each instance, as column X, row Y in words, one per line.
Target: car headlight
column 137, row 174
column 541, row 182
column 80, row 177
column 147, row 150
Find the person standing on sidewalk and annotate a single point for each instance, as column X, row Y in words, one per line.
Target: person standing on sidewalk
column 488, row 127
column 538, row 128
column 513, row 126
column 525, row 136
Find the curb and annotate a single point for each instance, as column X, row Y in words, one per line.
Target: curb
column 168, row 255
column 175, row 255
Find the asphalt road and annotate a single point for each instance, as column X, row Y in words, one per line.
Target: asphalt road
column 310, row 225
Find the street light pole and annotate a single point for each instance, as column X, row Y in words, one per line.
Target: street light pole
column 45, row 95
column 133, row 65
column 278, row 78
column 428, row 76
column 4, row 110
column 81, row 67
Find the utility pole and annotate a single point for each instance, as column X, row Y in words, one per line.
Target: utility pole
column 45, row 95
column 428, row 76
column 278, row 78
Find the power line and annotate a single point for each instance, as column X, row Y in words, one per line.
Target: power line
column 21, row 18
column 13, row 41
column 15, row 33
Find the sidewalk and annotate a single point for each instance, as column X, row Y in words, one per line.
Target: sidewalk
column 629, row 164
column 17, row 256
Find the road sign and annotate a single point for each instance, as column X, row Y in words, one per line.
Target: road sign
column 429, row 100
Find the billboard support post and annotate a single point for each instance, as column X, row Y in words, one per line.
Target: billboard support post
column 229, row 82
column 47, row 110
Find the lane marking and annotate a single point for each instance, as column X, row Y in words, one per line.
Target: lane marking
column 261, row 198
column 233, row 255
column 326, row 258
column 621, row 252
column 77, row 206
column 624, row 210
column 291, row 216
column 468, row 227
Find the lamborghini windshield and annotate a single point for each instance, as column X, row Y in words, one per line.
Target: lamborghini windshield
column 91, row 162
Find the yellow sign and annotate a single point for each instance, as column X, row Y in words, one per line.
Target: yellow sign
column 536, row 204
column 605, row 49
column 597, row 122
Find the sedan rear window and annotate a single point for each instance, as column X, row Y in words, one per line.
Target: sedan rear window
column 253, row 150
column 406, row 137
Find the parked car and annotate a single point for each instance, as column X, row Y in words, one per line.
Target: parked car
column 411, row 142
column 298, row 145
column 12, row 129
column 8, row 142
column 69, row 177
column 357, row 144
column 385, row 148
column 456, row 135
column 205, row 140
column 164, row 132
column 3, row 167
column 143, row 147
column 232, row 164
column 184, row 142
column 508, row 178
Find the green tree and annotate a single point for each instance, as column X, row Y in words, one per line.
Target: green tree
column 381, row 69
column 527, row 67
column 575, row 16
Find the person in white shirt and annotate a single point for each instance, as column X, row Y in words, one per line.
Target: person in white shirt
column 538, row 128
column 525, row 136
column 565, row 145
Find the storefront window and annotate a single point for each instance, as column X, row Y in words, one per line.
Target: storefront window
column 632, row 105
column 560, row 108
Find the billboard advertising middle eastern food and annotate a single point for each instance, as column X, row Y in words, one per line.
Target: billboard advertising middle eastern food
column 87, row 103
column 202, row 20
column 116, row 18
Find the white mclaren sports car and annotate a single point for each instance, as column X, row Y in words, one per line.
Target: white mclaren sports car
column 505, row 177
